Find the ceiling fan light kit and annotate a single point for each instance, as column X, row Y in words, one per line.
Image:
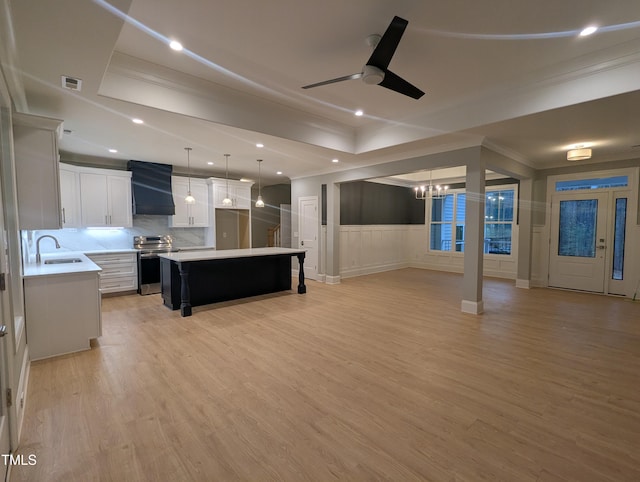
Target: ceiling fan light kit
column 375, row 71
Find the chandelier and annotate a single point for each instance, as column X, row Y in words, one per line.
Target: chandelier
column 431, row 191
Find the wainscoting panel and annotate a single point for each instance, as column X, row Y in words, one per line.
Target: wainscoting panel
column 373, row 248
column 538, row 261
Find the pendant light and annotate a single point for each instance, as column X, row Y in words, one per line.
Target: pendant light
column 189, row 199
column 227, row 200
column 259, row 201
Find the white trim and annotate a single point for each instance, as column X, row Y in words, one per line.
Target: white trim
column 523, row 283
column 20, row 398
column 333, row 280
column 473, row 307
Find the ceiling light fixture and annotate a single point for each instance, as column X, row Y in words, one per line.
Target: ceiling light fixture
column 113, row 151
column 189, row 199
column 335, row 160
column 431, row 191
column 580, row 153
column 210, row 163
column 279, row 173
column 359, row 113
column 588, row 31
column 259, row 201
column 227, row 200
column 259, row 145
column 175, row 45
column 137, row 121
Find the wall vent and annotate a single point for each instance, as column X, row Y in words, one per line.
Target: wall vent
column 71, row 83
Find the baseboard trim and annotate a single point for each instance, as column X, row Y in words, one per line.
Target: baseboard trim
column 472, row 307
column 523, row 283
column 332, row 280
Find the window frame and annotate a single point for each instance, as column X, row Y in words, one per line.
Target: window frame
column 454, row 222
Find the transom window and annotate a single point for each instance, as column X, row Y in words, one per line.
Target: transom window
column 447, row 223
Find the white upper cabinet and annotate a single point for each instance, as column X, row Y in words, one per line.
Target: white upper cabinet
column 36, row 167
column 70, row 196
column 239, row 193
column 189, row 215
column 105, row 196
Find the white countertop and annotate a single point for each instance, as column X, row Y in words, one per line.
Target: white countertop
column 194, row 248
column 227, row 253
column 85, row 266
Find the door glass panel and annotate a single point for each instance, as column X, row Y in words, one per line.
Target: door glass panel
column 577, row 233
column 618, row 238
column 597, row 183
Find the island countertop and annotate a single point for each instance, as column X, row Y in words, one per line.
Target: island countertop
column 183, row 256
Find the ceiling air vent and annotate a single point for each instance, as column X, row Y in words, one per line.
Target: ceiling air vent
column 71, row 83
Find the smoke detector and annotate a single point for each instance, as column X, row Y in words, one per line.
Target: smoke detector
column 71, row 83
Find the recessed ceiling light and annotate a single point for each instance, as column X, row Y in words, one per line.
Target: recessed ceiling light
column 210, row 163
column 335, row 160
column 113, row 150
column 137, row 121
column 175, row 45
column 359, row 113
column 259, row 144
column 279, row 173
column 588, row 30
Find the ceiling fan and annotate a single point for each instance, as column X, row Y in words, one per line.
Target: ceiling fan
column 375, row 71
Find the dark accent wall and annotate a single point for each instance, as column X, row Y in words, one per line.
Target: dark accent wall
column 269, row 216
column 363, row 203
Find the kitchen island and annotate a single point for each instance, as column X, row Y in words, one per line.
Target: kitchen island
column 195, row 278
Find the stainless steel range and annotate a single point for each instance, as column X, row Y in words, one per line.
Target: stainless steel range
column 148, row 261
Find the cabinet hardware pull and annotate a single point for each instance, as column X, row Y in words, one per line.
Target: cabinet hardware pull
column 64, row 217
column 106, row 219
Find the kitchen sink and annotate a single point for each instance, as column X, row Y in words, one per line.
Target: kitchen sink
column 62, row 261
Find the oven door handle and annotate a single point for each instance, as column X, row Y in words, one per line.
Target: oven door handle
column 148, row 255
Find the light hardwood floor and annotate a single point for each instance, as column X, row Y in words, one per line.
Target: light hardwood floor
column 378, row 378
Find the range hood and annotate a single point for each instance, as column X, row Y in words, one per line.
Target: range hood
column 151, row 188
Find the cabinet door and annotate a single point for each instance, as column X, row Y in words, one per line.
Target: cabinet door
column 120, row 205
column 220, row 192
column 242, row 197
column 70, row 197
column 93, row 197
column 200, row 210
column 37, row 177
column 182, row 216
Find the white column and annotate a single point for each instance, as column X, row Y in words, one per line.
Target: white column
column 474, row 238
column 333, row 234
column 525, row 232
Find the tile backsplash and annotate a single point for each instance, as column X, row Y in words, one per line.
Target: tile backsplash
column 97, row 239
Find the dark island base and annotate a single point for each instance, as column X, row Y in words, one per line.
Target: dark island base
column 212, row 281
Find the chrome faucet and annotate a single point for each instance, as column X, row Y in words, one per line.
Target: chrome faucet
column 38, row 257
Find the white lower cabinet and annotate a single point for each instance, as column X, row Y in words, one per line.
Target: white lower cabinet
column 62, row 313
column 119, row 271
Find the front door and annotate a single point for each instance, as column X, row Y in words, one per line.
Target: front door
column 308, row 239
column 578, row 241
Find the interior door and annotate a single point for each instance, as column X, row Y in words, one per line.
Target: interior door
column 308, row 238
column 579, row 244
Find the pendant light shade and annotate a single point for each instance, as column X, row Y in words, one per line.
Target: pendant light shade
column 189, row 199
column 259, row 201
column 227, row 200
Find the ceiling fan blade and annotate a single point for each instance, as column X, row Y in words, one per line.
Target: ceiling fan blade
column 385, row 49
column 398, row 84
column 333, row 81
